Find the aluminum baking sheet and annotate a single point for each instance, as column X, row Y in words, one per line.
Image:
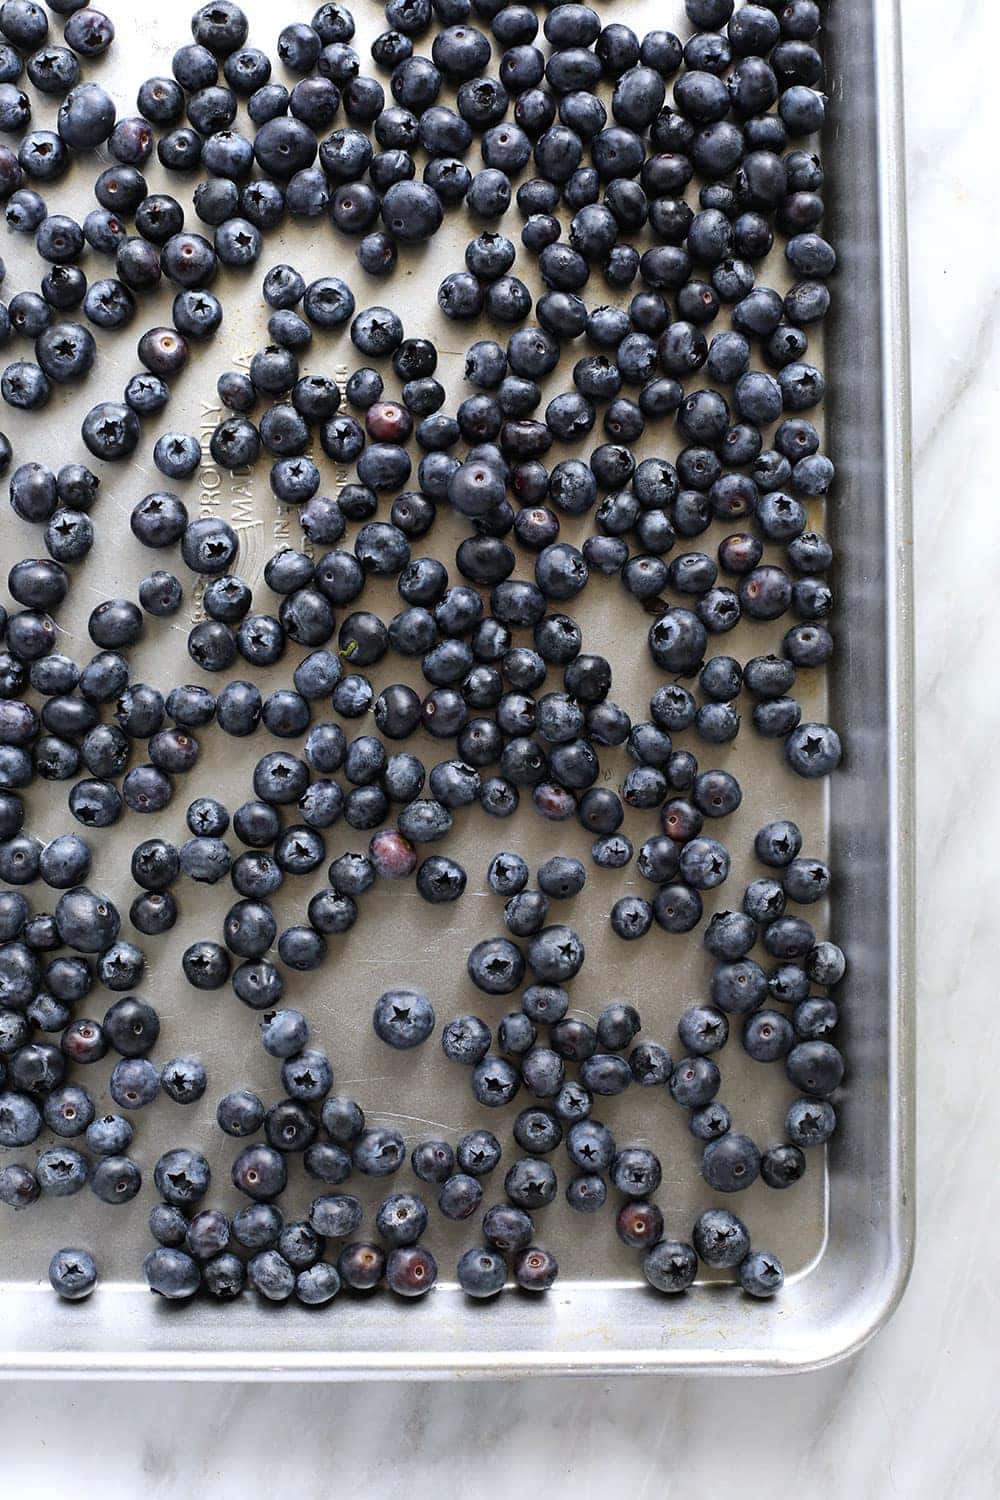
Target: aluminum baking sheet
column 844, row 1233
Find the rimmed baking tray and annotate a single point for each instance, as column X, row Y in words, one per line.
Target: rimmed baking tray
column 845, row 1232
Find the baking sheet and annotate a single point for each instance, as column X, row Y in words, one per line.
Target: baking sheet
column 600, row 1314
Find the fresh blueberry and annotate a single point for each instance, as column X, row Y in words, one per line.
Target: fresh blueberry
column 720, row 1238
column 481, row 1272
column 670, row 1266
column 761, row 1274
column 781, row 1166
column 403, row 1018
column 411, row 1270
column 496, row 966
column 73, row 1274
column 731, row 1163
column 535, row 1269
column 379, row 1151
column 172, row 1273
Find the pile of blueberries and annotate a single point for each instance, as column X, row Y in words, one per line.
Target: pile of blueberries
column 195, row 1246
column 746, row 103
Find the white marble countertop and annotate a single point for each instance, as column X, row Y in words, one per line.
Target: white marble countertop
column 914, row 1414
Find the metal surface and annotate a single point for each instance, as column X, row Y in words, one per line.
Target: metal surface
column 845, row 1232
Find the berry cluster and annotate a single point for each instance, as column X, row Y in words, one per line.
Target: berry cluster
column 612, row 166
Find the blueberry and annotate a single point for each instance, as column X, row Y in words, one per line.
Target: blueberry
column 696, row 1080
column 636, row 1172
column 767, row 1036
column 335, row 1215
column 224, row 1276
column 639, row 1224
column 256, row 1226
column 361, row 1266
column 86, row 116
column 184, row 1079
column 631, row 917
column 15, row 112
column 476, row 1155
column 525, row 912
column 465, row 1040
column 781, row 1166
column 259, row 1172
column 704, row 863
column 535, row 1269
column 411, row 211
column 46, row 1012
column 116, row 1179
column 271, row 1276
column 240, row 1113
column 731, row 1163
column 327, row 1163
column 440, row 880
column 496, row 966
column 20, row 1120
column 494, row 1081
column 538, row 1131
column 530, row 1183
column 617, row 1025
column 206, row 965
column 561, row 877
column 810, row 1122
column 432, row 1160
column 590, row 1146
column 61, row 1171
column 379, row 1151
column 542, row 1072
column 307, row 1076
column 25, row 209
column 826, row 964
column 677, row 641
column 161, row 594
column 777, row 844
column 411, row 1270
column 730, row 935
column 788, row 983
column 87, row 922
column 815, row 1019
column 670, row 1266
column 403, row 1018
column 761, row 1274
column 73, row 1274
column 815, row 1067
column 401, row 1218
column 109, row 1135
column 555, row 954
column 299, row 46
column 481, row 1272
column 788, row 938
column 68, row 1111
column 64, row 862
column 612, row 852
column 650, row 1064
column 721, row 1239
column 172, row 1273
column 739, row 986
column 317, row 1284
